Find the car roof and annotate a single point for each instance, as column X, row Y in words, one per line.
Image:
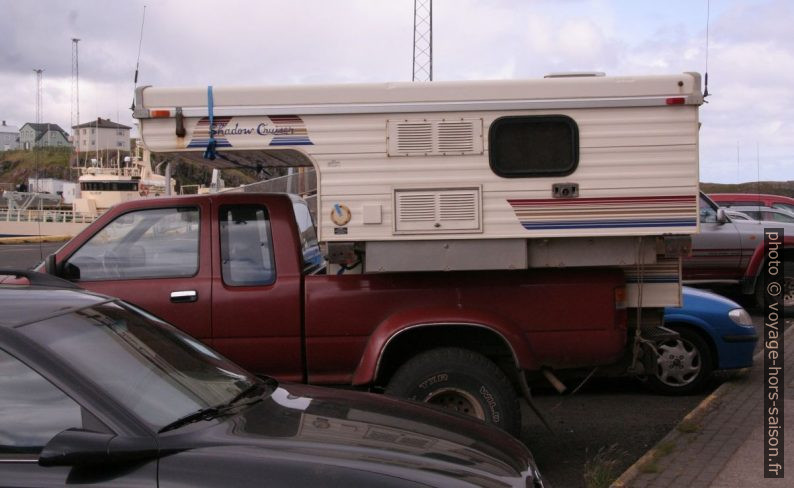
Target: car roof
column 23, row 304
column 751, row 197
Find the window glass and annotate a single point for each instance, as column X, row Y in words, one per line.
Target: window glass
column 153, row 370
column 538, row 146
column 784, row 206
column 32, row 410
column 779, row 217
column 708, row 215
column 312, row 257
column 246, row 250
column 152, row 243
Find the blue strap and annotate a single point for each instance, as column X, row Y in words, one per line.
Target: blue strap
column 209, row 153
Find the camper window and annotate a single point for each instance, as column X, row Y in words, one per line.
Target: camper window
column 534, row 146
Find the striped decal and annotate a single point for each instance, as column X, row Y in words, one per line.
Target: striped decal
column 606, row 213
column 296, row 132
column 201, row 134
column 276, row 130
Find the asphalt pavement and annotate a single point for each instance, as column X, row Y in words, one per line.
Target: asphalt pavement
column 26, row 256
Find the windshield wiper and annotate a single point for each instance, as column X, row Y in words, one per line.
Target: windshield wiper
column 208, row 413
column 254, row 390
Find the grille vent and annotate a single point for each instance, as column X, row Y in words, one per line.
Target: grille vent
column 437, row 211
column 434, row 137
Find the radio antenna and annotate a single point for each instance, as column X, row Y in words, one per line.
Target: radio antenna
column 706, row 81
column 138, row 61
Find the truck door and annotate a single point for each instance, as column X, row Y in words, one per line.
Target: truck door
column 257, row 309
column 156, row 259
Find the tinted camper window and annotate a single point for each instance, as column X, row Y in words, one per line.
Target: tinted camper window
column 527, row 146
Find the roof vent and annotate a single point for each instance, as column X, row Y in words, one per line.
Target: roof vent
column 575, row 74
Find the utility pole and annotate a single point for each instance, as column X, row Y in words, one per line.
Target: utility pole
column 75, row 84
column 39, row 73
column 423, row 40
column 75, row 100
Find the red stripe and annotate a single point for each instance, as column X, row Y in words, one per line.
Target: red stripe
column 611, row 200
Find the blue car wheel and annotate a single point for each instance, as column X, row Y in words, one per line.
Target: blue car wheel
column 683, row 365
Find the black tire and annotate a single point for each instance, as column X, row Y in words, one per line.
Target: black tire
column 460, row 380
column 787, row 295
column 683, row 365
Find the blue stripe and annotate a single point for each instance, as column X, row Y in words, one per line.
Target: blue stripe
column 300, row 142
column 607, row 224
column 204, row 142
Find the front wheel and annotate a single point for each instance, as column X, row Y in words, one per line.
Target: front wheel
column 683, row 365
column 460, row 380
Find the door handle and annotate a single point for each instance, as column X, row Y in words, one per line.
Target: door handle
column 184, row 296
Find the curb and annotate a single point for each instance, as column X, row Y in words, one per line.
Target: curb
column 702, row 408
column 33, row 239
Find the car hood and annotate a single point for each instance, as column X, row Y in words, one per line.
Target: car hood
column 346, row 429
column 696, row 299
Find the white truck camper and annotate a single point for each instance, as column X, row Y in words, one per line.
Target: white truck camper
column 565, row 171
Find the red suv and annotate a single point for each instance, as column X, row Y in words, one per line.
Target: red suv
column 752, row 199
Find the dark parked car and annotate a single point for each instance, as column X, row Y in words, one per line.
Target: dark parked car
column 96, row 392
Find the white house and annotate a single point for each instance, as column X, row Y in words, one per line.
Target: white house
column 42, row 135
column 101, row 135
column 9, row 137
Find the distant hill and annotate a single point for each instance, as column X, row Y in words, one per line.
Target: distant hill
column 785, row 188
column 17, row 167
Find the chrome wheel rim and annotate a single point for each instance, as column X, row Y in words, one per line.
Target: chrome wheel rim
column 788, row 291
column 457, row 400
column 679, row 363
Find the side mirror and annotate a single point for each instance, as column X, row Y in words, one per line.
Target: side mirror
column 722, row 217
column 69, row 271
column 76, row 447
column 50, row 265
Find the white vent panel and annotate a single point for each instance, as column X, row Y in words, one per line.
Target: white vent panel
column 434, row 137
column 437, row 210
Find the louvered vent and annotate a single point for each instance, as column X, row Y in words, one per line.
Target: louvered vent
column 456, row 136
column 434, row 137
column 437, row 211
column 415, row 137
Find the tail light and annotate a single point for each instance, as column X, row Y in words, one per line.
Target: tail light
column 621, row 300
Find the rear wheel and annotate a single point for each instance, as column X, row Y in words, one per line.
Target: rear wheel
column 787, row 289
column 683, row 365
column 460, row 380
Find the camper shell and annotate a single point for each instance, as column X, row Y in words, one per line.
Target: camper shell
column 576, row 171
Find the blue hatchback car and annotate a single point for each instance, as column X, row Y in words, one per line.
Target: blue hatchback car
column 715, row 334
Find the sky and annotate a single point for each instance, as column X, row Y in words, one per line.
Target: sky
column 747, row 128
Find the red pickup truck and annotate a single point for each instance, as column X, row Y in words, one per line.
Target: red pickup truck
column 243, row 272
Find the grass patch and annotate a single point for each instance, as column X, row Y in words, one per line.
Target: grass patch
column 688, row 427
column 652, row 465
column 602, row 470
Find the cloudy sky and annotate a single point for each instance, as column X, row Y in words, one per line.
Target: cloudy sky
column 747, row 125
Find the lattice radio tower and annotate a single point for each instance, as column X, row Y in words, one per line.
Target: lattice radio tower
column 39, row 73
column 423, row 40
column 75, row 84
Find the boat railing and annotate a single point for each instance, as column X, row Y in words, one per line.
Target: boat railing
column 46, row 215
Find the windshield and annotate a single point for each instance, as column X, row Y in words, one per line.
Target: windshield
column 157, row 372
